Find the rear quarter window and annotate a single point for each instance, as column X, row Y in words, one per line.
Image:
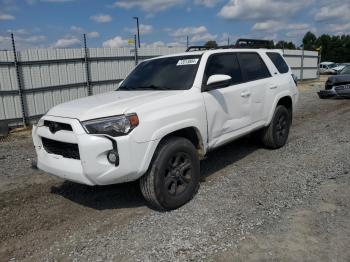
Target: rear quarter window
column 279, row 62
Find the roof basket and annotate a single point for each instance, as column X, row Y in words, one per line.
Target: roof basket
column 241, row 43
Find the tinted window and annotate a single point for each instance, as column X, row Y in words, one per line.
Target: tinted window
column 253, row 67
column 279, row 62
column 171, row 73
column 223, row 64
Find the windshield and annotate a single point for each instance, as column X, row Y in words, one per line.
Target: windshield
column 170, row 73
column 332, row 65
column 345, row 71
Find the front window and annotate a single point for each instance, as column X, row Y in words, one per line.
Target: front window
column 223, row 64
column 170, row 73
column 332, row 65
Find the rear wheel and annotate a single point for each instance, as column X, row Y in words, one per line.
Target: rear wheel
column 173, row 178
column 276, row 134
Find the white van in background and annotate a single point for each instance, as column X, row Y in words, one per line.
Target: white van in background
column 328, row 68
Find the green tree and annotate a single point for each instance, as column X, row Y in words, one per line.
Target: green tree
column 211, row 44
column 309, row 41
column 285, row 45
column 324, row 42
column 333, row 48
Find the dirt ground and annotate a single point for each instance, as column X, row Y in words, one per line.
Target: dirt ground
column 254, row 204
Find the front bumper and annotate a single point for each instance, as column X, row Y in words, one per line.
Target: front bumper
column 92, row 168
column 326, row 94
column 336, row 91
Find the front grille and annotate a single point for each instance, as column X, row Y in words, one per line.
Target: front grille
column 342, row 87
column 57, row 126
column 64, row 149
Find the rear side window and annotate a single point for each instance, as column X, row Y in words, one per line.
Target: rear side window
column 253, row 67
column 279, row 62
column 223, row 64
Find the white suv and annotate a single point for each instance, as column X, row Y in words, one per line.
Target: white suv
column 164, row 117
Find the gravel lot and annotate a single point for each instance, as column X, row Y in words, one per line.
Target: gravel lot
column 253, row 205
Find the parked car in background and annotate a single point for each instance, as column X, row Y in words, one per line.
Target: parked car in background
column 337, row 86
column 345, row 70
column 327, row 68
column 338, row 68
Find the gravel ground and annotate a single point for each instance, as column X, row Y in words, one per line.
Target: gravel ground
column 254, row 204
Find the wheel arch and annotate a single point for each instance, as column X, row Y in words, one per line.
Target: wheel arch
column 192, row 134
column 284, row 99
column 287, row 102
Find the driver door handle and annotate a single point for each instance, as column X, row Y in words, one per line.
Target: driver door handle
column 245, row 94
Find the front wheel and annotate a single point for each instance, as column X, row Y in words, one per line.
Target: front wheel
column 276, row 134
column 173, row 178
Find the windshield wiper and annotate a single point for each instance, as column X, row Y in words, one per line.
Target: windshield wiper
column 150, row 87
column 124, row 88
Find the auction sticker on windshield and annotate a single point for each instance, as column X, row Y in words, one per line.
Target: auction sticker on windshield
column 187, row 62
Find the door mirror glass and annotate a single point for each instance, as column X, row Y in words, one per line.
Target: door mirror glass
column 218, row 80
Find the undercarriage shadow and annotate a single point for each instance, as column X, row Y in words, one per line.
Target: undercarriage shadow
column 129, row 195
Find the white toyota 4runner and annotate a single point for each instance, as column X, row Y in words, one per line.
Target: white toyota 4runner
column 164, row 117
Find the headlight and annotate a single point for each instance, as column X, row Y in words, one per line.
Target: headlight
column 113, row 126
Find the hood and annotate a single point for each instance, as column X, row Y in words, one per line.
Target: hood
column 337, row 80
column 338, row 68
column 107, row 104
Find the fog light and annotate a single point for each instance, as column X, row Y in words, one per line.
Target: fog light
column 113, row 157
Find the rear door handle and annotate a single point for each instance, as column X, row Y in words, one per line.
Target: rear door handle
column 245, row 94
column 273, row 87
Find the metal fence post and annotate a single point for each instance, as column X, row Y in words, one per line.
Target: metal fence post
column 19, row 82
column 87, row 68
column 136, row 55
column 302, row 64
column 318, row 63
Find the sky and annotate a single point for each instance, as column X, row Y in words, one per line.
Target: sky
column 110, row 23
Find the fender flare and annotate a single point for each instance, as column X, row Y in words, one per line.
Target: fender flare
column 277, row 99
column 165, row 131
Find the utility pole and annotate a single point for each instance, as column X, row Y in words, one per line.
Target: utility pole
column 138, row 30
column 187, row 41
column 228, row 40
column 136, row 55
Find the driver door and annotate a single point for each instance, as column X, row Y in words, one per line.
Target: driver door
column 227, row 107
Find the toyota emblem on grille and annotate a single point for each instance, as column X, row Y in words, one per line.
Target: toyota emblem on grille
column 53, row 127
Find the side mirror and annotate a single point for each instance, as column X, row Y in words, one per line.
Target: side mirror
column 218, row 79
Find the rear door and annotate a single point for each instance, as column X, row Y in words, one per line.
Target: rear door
column 228, row 108
column 258, row 80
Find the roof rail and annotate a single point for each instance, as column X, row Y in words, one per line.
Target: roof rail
column 253, row 43
column 241, row 43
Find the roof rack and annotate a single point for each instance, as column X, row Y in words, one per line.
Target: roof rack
column 240, row 43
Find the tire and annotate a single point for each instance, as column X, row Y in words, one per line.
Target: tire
column 173, row 177
column 276, row 134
